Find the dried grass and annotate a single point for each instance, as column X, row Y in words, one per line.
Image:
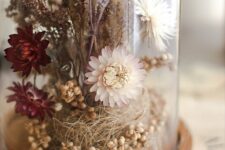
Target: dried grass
column 109, row 124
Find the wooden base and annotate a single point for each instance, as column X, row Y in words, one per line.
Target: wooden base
column 184, row 138
column 15, row 133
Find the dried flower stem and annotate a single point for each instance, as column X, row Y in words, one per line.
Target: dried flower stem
column 79, row 38
column 95, row 25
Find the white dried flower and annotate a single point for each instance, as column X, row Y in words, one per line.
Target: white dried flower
column 157, row 21
column 117, row 77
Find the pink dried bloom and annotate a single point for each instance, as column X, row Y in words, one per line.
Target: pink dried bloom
column 31, row 101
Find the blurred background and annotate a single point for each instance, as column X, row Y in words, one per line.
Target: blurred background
column 202, row 70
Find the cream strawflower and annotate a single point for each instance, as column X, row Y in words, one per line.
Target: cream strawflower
column 157, row 22
column 117, row 77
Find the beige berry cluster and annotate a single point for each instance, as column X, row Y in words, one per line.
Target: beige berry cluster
column 69, row 146
column 71, row 93
column 134, row 139
column 158, row 113
column 156, row 62
column 91, row 114
column 156, row 125
column 38, row 136
column 93, row 148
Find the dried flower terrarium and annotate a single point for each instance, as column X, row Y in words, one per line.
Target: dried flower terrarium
column 109, row 70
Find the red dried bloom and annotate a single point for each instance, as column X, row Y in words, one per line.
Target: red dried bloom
column 27, row 50
column 30, row 101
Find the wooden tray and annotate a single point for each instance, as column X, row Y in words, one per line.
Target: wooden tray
column 184, row 137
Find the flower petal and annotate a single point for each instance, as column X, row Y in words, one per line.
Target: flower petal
column 114, row 95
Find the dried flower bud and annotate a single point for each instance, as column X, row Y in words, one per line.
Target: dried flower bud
column 30, row 138
column 115, row 141
column 38, row 136
column 140, row 129
column 110, row 144
column 92, row 116
column 152, row 129
column 131, row 127
column 58, row 107
column 39, row 148
column 153, row 61
column 45, row 145
column 154, row 122
column 69, row 91
column 91, row 109
column 77, row 90
column 74, row 104
column 81, row 99
column 122, row 140
column 34, row 145
column 82, row 106
column 164, row 57
column 92, row 148
column 70, row 144
column 143, row 138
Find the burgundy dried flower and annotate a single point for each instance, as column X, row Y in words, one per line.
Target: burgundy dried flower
column 27, row 50
column 30, row 101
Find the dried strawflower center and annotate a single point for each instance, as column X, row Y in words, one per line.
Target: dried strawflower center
column 115, row 76
column 70, row 92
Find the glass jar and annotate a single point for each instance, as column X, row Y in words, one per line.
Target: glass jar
column 156, row 39
column 90, row 74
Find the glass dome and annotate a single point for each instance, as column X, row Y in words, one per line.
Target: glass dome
column 89, row 74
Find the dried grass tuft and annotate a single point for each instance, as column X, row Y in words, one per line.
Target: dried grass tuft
column 109, row 124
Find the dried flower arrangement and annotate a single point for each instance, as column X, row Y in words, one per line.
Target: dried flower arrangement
column 157, row 23
column 96, row 98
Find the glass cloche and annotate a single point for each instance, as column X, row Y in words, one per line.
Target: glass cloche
column 89, row 74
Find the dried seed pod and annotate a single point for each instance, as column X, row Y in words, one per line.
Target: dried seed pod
column 111, row 144
column 69, row 91
column 93, row 116
column 38, row 136
column 92, row 148
column 69, row 146
column 156, row 62
column 121, row 140
column 91, row 109
column 58, row 106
